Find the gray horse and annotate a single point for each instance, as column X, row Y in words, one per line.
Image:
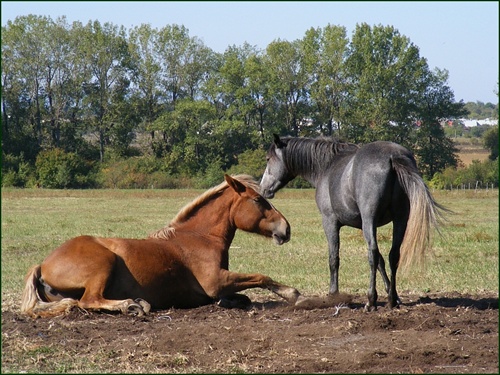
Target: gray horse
column 362, row 187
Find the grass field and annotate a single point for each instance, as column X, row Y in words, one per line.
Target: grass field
column 465, row 258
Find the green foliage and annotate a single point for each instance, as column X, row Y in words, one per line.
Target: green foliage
column 135, row 173
column 16, row 171
column 212, row 176
column 480, row 174
column 490, row 141
column 252, row 162
column 481, row 111
column 433, row 150
column 86, row 87
column 57, row 169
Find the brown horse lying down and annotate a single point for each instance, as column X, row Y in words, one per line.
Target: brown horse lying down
column 182, row 265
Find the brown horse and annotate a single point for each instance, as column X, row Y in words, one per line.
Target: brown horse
column 183, row 265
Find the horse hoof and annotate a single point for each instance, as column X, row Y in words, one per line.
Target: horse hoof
column 369, row 308
column 146, row 307
column 306, row 303
column 294, row 296
column 134, row 309
column 394, row 305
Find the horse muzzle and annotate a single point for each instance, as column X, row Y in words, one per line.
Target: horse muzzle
column 268, row 194
column 282, row 234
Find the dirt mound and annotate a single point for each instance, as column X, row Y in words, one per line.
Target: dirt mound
column 444, row 333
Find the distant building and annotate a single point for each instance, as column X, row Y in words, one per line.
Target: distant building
column 472, row 123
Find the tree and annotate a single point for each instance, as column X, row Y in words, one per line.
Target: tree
column 259, row 97
column 288, row 84
column 147, row 96
column 236, row 95
column 106, row 55
column 384, row 70
column 188, row 132
column 175, row 49
column 433, row 149
column 18, row 134
column 325, row 51
column 25, row 47
column 490, row 141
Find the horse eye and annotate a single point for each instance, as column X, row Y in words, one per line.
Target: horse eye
column 259, row 200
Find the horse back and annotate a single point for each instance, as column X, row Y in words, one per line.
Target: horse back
column 365, row 184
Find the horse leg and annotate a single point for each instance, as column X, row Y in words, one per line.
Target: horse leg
column 331, row 228
column 370, row 234
column 84, row 265
column 93, row 298
column 128, row 306
column 229, row 283
column 383, row 273
column 398, row 232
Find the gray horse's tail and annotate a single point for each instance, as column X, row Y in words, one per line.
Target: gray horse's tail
column 425, row 213
column 31, row 303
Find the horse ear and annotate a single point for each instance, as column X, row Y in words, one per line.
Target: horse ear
column 235, row 184
column 278, row 142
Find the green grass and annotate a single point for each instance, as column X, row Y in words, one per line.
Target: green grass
column 465, row 258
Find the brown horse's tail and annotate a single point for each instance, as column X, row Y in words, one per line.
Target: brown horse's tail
column 425, row 213
column 30, row 296
column 33, row 305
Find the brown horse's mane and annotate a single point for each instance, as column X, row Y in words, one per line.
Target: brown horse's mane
column 187, row 211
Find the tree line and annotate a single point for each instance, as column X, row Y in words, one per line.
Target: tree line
column 84, row 105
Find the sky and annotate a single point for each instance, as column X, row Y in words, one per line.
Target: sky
column 459, row 36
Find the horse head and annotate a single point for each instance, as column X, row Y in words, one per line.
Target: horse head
column 276, row 174
column 254, row 213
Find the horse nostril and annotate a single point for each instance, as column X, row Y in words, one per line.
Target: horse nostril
column 268, row 194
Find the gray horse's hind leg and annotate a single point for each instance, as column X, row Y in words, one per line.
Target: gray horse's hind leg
column 370, row 234
column 383, row 273
column 398, row 232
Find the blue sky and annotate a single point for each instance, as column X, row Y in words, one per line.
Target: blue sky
column 459, row 36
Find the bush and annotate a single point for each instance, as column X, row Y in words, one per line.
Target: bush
column 213, row 176
column 57, row 169
column 485, row 172
column 16, row 172
column 251, row 162
column 143, row 172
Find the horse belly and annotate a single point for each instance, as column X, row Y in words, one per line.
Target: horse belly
column 155, row 272
column 341, row 199
column 165, row 289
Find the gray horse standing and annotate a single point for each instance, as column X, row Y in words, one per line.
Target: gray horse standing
column 362, row 187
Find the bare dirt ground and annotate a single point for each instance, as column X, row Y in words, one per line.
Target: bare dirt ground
column 434, row 333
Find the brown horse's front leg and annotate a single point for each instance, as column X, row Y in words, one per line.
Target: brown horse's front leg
column 288, row 293
column 231, row 282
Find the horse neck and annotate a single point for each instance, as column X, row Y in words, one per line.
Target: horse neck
column 212, row 219
column 309, row 158
column 306, row 163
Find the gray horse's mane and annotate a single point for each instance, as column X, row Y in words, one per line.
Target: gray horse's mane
column 313, row 154
column 188, row 210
